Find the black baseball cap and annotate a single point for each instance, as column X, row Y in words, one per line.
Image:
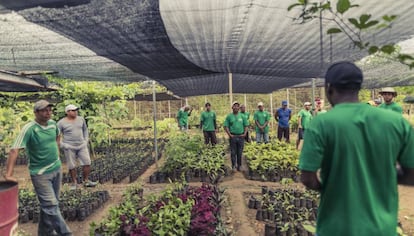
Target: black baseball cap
column 344, row 74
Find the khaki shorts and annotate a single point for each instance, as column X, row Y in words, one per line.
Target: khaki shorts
column 72, row 154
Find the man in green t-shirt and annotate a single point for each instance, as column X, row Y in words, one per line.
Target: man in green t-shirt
column 261, row 119
column 40, row 140
column 209, row 125
column 236, row 128
column 356, row 148
column 182, row 117
column 304, row 118
column 247, row 115
column 389, row 94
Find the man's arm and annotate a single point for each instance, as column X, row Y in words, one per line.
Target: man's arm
column 406, row 176
column 58, row 139
column 228, row 131
column 310, row 180
column 257, row 123
column 85, row 131
column 299, row 121
column 245, row 131
column 11, row 161
column 178, row 118
column 277, row 115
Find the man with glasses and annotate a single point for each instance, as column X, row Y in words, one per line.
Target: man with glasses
column 40, row 140
column 75, row 144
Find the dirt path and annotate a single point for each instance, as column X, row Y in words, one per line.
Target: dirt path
column 238, row 218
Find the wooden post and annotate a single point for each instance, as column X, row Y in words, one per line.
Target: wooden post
column 169, row 109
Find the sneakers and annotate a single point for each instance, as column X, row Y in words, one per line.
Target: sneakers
column 90, row 184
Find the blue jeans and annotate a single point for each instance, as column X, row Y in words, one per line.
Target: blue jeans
column 236, row 149
column 47, row 187
column 262, row 136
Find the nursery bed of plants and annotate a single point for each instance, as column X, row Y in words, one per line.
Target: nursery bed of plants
column 179, row 209
column 74, row 204
column 121, row 159
column 188, row 158
column 272, row 161
column 286, row 211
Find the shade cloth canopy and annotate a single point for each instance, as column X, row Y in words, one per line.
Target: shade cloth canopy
column 191, row 46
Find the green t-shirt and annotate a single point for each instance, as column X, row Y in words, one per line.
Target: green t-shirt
column 306, row 117
column 41, row 147
column 208, row 119
column 392, row 106
column 236, row 123
column 356, row 146
column 182, row 117
column 261, row 117
column 247, row 115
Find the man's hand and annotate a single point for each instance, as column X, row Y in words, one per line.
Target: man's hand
column 10, row 178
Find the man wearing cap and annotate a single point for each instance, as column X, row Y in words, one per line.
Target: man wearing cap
column 304, row 118
column 261, row 119
column 319, row 106
column 235, row 126
column 283, row 116
column 389, row 94
column 209, row 125
column 247, row 115
column 182, row 117
column 40, row 140
column 75, row 144
column 356, row 148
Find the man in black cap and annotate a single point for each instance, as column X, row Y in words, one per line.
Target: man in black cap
column 356, row 148
column 40, row 140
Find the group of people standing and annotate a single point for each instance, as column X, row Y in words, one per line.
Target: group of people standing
column 354, row 155
column 41, row 139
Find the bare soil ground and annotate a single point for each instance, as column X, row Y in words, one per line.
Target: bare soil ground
column 239, row 219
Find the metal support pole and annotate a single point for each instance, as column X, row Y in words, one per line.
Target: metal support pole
column 231, row 88
column 271, row 110
column 245, row 100
column 296, row 102
column 287, row 95
column 313, row 94
column 154, row 113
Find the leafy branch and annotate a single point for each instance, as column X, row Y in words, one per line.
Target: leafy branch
column 352, row 28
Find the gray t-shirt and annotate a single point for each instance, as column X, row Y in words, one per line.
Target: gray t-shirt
column 75, row 132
